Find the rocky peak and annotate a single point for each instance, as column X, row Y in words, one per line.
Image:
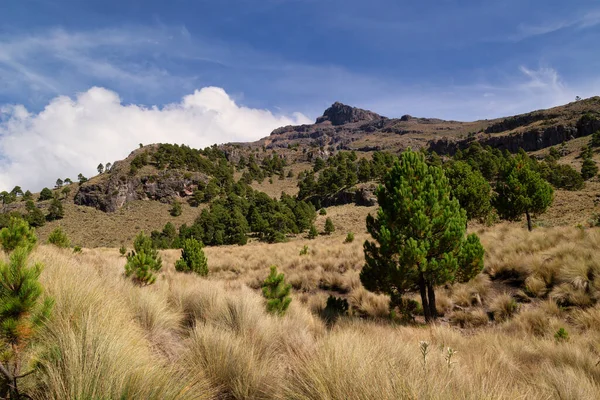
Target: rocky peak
column 340, row 114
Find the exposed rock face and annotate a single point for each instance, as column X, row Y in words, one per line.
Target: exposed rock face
column 531, row 140
column 117, row 189
column 341, row 114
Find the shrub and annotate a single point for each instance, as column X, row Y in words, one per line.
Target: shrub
column 277, row 292
column 503, row 307
column 561, row 335
column 304, row 250
column 312, row 232
column 77, row 249
column 35, row 217
column 322, row 211
column 22, row 312
column 46, row 194
column 55, row 211
column 175, row 210
column 17, row 234
column 589, row 169
column 349, row 237
column 329, row 227
column 192, row 258
column 335, row 308
column 123, row 250
column 143, row 261
column 59, row 238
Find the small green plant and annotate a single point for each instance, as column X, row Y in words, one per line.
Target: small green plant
column 312, row 232
column 424, row 347
column 17, row 234
column 322, row 211
column 143, row 261
column 59, row 238
column 22, row 312
column 349, row 237
column 176, row 209
column 329, row 227
column 561, row 335
column 277, row 292
column 448, row 357
column 123, row 250
column 304, row 250
column 192, row 258
column 77, row 249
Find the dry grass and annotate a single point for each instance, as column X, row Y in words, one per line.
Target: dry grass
column 188, row 337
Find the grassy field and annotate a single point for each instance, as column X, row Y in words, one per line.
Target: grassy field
column 210, row 338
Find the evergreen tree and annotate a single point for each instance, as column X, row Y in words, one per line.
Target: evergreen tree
column 34, row 217
column 17, row 234
column 329, row 227
column 192, row 258
column 82, row 179
column 66, row 191
column 312, row 232
column 143, row 261
column 68, row 181
column 100, row 168
column 55, row 211
column 59, row 238
column 589, row 169
column 277, row 292
column 17, row 191
column 470, row 188
column 521, row 190
column 27, row 196
column 419, row 235
column 176, row 209
column 107, row 167
column 46, row 194
column 23, row 310
column 59, row 183
column 595, row 141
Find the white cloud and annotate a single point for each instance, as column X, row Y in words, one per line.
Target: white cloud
column 72, row 135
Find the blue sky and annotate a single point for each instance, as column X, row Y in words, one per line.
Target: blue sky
column 452, row 59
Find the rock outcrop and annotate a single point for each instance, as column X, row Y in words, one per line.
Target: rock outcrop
column 341, row 114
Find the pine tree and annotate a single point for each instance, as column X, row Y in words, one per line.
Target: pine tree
column 34, row 217
column 59, row 183
column 59, row 238
column 55, row 211
column 589, row 169
column 312, row 232
column 46, row 194
column 470, row 188
column 17, row 234
column 100, row 168
column 419, row 235
column 143, row 261
column 176, row 209
column 595, row 142
column 192, row 258
column 23, row 311
column 277, row 292
column 521, row 190
column 329, row 227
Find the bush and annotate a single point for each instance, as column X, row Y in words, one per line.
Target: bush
column 335, row 308
column 304, row 250
column 561, row 335
column 123, row 250
column 322, row 211
column 312, row 232
column 55, row 211
column 175, row 210
column 143, row 261
column 77, row 249
column 192, row 258
column 589, row 169
column 329, row 227
column 46, row 194
column 349, row 237
column 17, row 234
column 59, row 238
column 277, row 292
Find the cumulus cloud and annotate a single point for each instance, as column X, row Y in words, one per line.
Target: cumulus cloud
column 73, row 135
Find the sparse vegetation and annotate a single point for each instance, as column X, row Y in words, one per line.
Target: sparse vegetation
column 59, row 238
